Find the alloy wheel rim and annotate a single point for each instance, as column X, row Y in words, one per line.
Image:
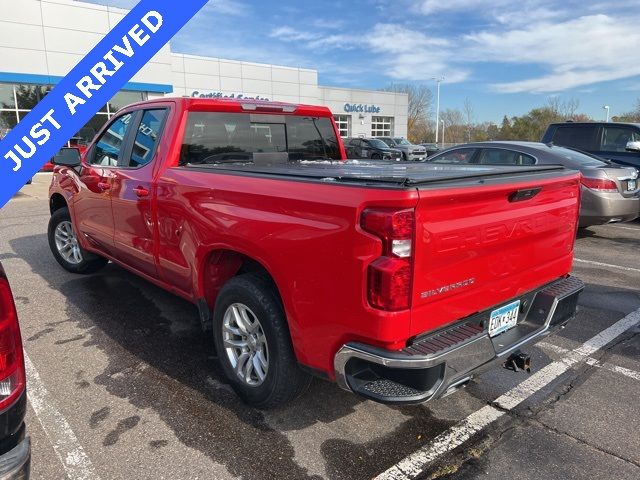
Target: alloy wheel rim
column 245, row 344
column 67, row 243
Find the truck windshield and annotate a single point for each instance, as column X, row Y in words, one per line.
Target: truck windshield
column 213, row 138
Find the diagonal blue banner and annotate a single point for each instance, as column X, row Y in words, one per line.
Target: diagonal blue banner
column 88, row 87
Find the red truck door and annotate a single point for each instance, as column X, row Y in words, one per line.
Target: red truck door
column 132, row 193
column 93, row 207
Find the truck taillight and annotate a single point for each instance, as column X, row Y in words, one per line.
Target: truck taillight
column 600, row 184
column 12, row 374
column 389, row 277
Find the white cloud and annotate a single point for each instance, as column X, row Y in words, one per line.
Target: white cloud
column 228, row 7
column 400, row 53
column 577, row 52
column 428, row 7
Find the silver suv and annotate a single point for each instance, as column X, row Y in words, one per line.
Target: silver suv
column 410, row 151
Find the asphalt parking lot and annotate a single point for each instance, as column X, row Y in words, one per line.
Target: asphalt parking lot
column 122, row 386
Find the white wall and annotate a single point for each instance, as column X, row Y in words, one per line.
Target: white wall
column 207, row 75
column 49, row 37
column 390, row 104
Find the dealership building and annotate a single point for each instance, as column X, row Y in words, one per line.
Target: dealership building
column 42, row 40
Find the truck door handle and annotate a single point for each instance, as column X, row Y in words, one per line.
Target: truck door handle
column 524, row 194
column 141, row 192
column 104, row 186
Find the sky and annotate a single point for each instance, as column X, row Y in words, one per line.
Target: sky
column 505, row 56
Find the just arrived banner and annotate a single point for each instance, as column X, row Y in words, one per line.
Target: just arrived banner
column 88, row 87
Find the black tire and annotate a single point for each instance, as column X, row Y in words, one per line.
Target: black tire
column 90, row 262
column 405, row 157
column 376, row 156
column 284, row 379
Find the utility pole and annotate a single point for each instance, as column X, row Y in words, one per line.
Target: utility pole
column 442, row 133
column 606, row 107
column 438, row 80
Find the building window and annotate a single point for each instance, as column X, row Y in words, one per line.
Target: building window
column 382, row 126
column 344, row 125
column 16, row 101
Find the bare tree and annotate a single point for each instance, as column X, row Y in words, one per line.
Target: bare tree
column 420, row 104
column 468, row 113
column 565, row 109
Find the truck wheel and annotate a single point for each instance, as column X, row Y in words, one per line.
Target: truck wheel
column 253, row 343
column 65, row 247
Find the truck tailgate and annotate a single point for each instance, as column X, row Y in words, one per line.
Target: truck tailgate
column 479, row 245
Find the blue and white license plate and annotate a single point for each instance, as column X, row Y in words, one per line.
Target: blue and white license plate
column 504, row 318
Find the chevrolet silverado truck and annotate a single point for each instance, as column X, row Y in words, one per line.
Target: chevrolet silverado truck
column 401, row 282
column 15, row 446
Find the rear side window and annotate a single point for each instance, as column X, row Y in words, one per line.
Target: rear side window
column 214, row 138
column 499, row 156
column 462, row 155
column 109, row 147
column 615, row 139
column 582, row 137
column 146, row 140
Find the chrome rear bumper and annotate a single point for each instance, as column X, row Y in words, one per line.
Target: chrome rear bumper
column 435, row 365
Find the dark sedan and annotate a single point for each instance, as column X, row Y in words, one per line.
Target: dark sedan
column 610, row 193
column 371, row 148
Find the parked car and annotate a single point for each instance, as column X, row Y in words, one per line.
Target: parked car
column 610, row 193
column 372, row 148
column 410, row 152
column 15, row 447
column 400, row 281
column 618, row 142
column 431, row 148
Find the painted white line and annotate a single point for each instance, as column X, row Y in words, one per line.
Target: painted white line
column 615, row 369
column 75, row 461
column 625, row 228
column 607, row 265
column 595, row 363
column 414, row 465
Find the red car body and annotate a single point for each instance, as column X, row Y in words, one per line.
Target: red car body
column 324, row 241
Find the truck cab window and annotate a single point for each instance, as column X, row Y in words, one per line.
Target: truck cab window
column 217, row 138
column 582, row 137
column 146, row 141
column 108, row 149
column 615, row 139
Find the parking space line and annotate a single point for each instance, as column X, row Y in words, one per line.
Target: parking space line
column 75, row 461
column 608, row 265
column 624, row 228
column 414, row 465
column 595, row 363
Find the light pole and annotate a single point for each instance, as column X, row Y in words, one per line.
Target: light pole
column 438, row 80
column 442, row 133
column 606, row 107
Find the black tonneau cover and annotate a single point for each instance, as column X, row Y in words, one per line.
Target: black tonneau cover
column 405, row 174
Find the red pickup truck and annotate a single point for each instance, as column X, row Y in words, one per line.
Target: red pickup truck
column 399, row 281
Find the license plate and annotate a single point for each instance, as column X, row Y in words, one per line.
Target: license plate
column 632, row 185
column 504, row 318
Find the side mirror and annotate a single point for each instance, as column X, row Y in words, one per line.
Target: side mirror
column 67, row 157
column 633, row 147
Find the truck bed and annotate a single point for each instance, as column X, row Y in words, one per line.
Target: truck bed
column 389, row 175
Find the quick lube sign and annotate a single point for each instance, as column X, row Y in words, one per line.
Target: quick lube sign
column 89, row 86
column 360, row 108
